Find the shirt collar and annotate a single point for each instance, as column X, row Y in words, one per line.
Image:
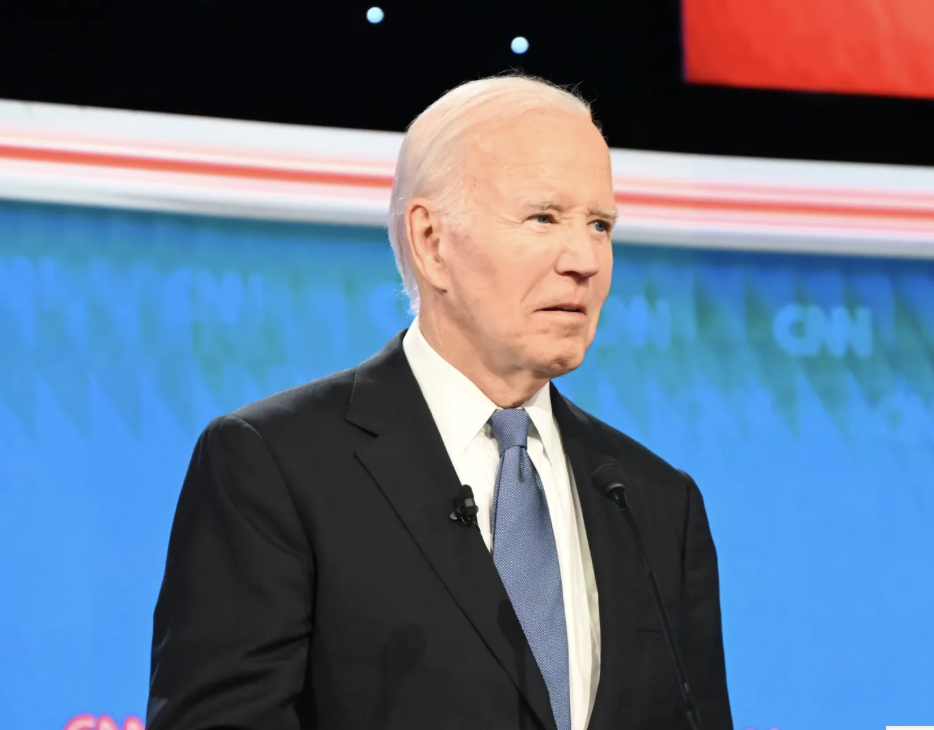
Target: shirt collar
column 539, row 410
column 460, row 409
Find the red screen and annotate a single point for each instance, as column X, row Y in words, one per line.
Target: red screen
column 883, row 47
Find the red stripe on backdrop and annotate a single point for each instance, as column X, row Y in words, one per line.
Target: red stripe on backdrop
column 193, row 167
column 883, row 47
column 903, row 207
column 925, row 217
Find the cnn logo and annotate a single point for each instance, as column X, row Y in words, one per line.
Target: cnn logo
column 103, row 722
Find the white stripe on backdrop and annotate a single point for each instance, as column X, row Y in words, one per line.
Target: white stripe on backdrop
column 146, row 161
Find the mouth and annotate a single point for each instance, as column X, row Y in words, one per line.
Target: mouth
column 571, row 309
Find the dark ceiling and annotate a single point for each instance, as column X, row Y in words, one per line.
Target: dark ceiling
column 309, row 62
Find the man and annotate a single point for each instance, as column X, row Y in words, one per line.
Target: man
column 314, row 577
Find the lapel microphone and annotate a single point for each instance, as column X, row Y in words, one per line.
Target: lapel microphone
column 609, row 480
column 465, row 508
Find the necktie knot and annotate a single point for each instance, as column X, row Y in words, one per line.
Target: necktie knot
column 510, row 428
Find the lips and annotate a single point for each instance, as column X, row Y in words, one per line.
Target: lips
column 568, row 307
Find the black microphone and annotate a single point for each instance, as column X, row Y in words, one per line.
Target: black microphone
column 609, row 479
column 465, row 508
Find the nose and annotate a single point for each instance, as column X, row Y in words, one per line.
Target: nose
column 580, row 254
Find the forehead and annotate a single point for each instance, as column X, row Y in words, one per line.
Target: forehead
column 550, row 151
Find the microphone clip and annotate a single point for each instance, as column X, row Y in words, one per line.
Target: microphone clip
column 465, row 507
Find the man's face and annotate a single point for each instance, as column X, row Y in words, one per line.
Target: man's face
column 530, row 266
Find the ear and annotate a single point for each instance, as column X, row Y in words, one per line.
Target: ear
column 424, row 227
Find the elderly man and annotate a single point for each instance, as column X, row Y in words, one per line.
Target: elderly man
column 314, row 577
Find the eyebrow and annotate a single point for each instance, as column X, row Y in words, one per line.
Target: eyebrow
column 610, row 213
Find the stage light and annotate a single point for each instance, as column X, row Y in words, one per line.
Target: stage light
column 519, row 45
column 375, row 15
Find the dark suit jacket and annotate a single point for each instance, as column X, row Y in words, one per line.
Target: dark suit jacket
column 315, row 580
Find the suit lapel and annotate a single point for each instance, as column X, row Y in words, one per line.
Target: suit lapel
column 408, row 461
column 612, row 552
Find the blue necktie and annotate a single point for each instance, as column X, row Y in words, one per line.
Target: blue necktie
column 526, row 557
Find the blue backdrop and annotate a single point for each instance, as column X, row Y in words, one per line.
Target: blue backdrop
column 798, row 391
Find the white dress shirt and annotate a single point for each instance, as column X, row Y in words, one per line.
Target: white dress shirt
column 461, row 411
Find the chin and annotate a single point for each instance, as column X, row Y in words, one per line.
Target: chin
column 560, row 360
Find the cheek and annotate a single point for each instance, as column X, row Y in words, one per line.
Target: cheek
column 493, row 273
column 469, row 265
column 601, row 289
column 480, row 285
column 605, row 277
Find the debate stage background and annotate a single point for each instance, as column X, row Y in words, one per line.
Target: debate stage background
column 797, row 389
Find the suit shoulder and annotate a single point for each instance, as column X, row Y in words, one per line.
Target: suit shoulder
column 638, row 459
column 317, row 400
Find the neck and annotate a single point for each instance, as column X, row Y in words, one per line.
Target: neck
column 507, row 388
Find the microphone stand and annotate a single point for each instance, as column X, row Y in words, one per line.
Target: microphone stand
column 618, row 495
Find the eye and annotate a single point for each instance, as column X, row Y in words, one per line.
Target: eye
column 603, row 226
column 543, row 218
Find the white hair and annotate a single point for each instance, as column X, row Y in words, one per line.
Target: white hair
column 432, row 151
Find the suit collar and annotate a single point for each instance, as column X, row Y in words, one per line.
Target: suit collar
column 382, row 386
